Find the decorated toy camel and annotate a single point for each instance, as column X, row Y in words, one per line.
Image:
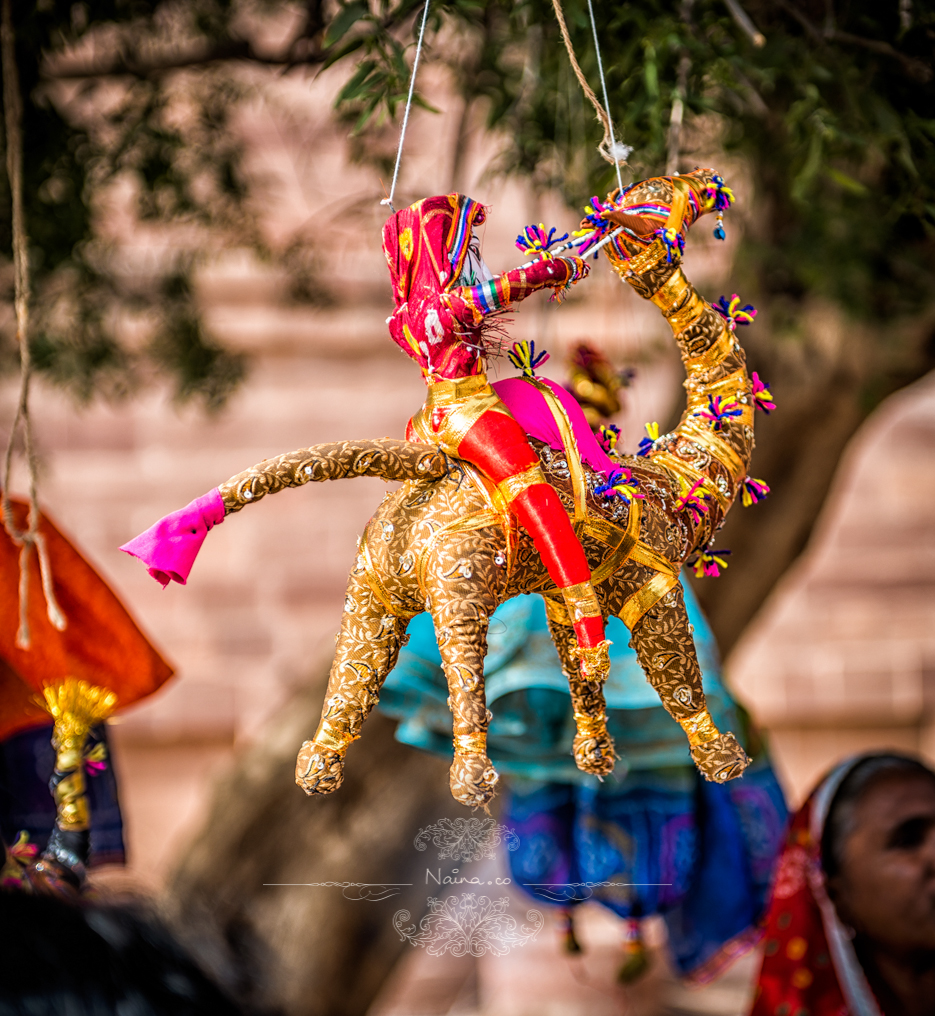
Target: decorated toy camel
column 448, row 543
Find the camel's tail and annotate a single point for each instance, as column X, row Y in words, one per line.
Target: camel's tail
column 169, row 548
column 385, row 457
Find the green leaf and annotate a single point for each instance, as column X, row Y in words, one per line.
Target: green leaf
column 348, row 15
column 847, row 182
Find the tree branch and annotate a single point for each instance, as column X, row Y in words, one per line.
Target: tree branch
column 915, row 69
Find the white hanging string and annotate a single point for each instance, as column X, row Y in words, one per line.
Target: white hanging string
column 610, row 122
column 405, row 124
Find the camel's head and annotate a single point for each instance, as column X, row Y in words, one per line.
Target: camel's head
column 644, row 210
column 427, row 244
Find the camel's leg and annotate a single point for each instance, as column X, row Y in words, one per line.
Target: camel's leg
column 461, row 622
column 367, row 648
column 593, row 747
column 666, row 650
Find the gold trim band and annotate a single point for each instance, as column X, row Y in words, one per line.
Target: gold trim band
column 471, row 744
column 648, row 260
column 445, row 393
column 513, row 486
column 591, row 726
column 717, row 446
column 581, row 601
column 646, row 597
column 329, row 735
column 700, row 728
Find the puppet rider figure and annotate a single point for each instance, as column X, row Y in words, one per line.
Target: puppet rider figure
column 444, row 292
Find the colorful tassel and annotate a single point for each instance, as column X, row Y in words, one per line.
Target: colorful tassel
column 622, row 484
column 723, row 198
column 674, row 242
column 762, row 397
column 692, row 502
column 708, row 563
column 535, row 240
column 733, row 313
column 718, row 413
column 523, row 356
column 721, row 194
column 607, row 436
column 753, row 491
column 646, row 443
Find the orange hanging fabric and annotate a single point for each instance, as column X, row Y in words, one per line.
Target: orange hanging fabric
column 101, row 645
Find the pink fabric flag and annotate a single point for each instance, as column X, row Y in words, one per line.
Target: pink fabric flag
column 169, row 548
column 530, row 411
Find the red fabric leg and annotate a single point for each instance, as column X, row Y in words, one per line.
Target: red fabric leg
column 497, row 444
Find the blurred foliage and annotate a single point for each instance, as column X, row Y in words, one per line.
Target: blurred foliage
column 834, row 116
column 833, row 119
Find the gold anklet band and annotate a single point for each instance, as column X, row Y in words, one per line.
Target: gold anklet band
column 700, row 728
column 471, row 744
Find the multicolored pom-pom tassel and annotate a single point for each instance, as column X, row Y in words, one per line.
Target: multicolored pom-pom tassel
column 535, row 240
column 607, row 437
column 646, row 443
column 753, row 491
column 733, row 313
column 694, row 502
column 621, row 483
column 708, row 563
column 719, row 412
column 762, row 397
column 523, row 356
column 723, row 198
column 673, row 241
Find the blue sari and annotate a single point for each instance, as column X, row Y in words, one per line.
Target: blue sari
column 668, row 842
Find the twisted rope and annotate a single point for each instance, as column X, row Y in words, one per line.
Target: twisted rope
column 608, row 147
column 28, row 538
column 405, row 123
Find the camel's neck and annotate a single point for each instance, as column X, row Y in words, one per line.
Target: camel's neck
column 714, row 439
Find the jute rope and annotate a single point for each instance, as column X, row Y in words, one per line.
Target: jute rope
column 28, row 538
column 608, row 146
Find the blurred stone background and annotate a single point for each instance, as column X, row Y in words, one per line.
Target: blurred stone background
column 841, row 658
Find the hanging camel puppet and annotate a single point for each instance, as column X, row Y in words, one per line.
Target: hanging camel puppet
column 447, row 541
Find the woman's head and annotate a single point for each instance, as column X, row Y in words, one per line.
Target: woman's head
column 878, row 852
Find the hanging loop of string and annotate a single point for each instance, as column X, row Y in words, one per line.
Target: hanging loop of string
column 402, row 130
column 29, row 538
column 610, row 150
